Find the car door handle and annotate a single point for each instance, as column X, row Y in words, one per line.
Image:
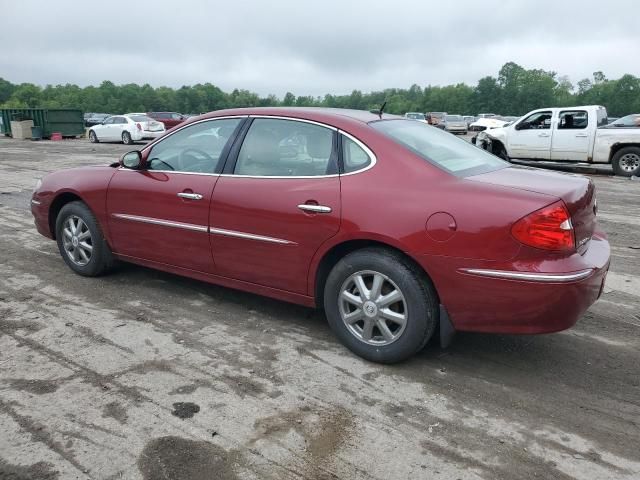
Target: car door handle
column 582, row 135
column 543, row 135
column 314, row 208
column 190, row 196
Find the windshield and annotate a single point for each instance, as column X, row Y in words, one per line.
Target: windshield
column 440, row 148
column 140, row 118
column 415, row 116
column 453, row 118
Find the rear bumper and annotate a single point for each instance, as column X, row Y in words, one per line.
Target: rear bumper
column 146, row 134
column 522, row 298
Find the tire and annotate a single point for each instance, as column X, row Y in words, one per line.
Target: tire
column 126, row 138
column 93, row 138
column 97, row 258
column 418, row 305
column 626, row 162
column 502, row 153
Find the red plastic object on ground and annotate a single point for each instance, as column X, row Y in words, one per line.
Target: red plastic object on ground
column 55, row 136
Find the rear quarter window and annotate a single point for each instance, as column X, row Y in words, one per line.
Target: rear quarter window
column 440, row 148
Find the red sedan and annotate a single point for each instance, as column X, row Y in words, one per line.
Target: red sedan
column 396, row 228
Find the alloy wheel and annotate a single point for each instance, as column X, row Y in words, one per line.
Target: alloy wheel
column 77, row 241
column 373, row 308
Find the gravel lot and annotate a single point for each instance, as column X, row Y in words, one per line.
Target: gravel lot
column 146, row 375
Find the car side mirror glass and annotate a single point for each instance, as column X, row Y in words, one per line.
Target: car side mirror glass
column 132, row 160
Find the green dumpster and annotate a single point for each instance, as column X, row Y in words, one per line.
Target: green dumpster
column 69, row 122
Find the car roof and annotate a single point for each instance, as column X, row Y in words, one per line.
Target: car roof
column 320, row 114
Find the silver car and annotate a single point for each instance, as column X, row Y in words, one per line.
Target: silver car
column 455, row 124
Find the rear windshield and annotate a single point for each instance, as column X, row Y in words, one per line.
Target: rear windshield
column 140, row 118
column 453, row 118
column 415, row 116
column 440, row 148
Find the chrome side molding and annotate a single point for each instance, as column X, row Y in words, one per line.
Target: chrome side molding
column 158, row 221
column 529, row 276
column 249, row 236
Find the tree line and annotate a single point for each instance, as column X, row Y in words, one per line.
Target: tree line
column 514, row 91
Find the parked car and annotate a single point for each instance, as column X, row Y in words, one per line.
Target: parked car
column 630, row 121
column 569, row 134
column 95, row 119
column 126, row 129
column 469, row 119
column 523, row 245
column 485, row 123
column 486, row 115
column 169, row 119
column 437, row 118
column 455, row 124
column 416, row 116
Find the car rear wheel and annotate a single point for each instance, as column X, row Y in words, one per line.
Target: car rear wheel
column 380, row 306
column 626, row 162
column 81, row 242
column 93, row 138
column 126, row 138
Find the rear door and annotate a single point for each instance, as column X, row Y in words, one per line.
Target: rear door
column 531, row 137
column 161, row 213
column 277, row 202
column 571, row 138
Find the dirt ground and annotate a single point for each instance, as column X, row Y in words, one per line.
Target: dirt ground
column 146, row 375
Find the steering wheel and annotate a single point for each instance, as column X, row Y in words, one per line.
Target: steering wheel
column 186, row 153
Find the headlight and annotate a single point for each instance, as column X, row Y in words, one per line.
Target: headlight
column 38, row 185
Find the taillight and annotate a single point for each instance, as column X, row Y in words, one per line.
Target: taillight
column 139, row 126
column 549, row 228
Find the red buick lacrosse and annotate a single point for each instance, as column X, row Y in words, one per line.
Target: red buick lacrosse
column 397, row 229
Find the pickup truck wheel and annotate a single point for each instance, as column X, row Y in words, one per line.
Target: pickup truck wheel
column 502, row 153
column 626, row 162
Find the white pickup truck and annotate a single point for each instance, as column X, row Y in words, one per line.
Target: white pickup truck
column 571, row 134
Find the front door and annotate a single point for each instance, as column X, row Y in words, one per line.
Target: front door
column 277, row 203
column 571, row 140
column 161, row 212
column 531, row 137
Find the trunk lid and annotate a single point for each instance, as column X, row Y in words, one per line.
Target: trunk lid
column 577, row 192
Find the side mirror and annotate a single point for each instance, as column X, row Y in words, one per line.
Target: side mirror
column 132, row 160
column 519, row 126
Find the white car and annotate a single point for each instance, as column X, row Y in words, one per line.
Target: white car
column 416, row 116
column 126, row 129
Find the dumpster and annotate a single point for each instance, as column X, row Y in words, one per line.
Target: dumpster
column 69, row 122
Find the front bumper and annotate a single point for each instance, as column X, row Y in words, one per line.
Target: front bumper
column 521, row 297
column 40, row 212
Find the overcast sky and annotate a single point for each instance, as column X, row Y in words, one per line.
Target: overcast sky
column 312, row 47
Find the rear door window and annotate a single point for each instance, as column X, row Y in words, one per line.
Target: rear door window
column 286, row 148
column 572, row 120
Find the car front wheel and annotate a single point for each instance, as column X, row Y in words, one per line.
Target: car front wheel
column 80, row 241
column 93, row 138
column 380, row 306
